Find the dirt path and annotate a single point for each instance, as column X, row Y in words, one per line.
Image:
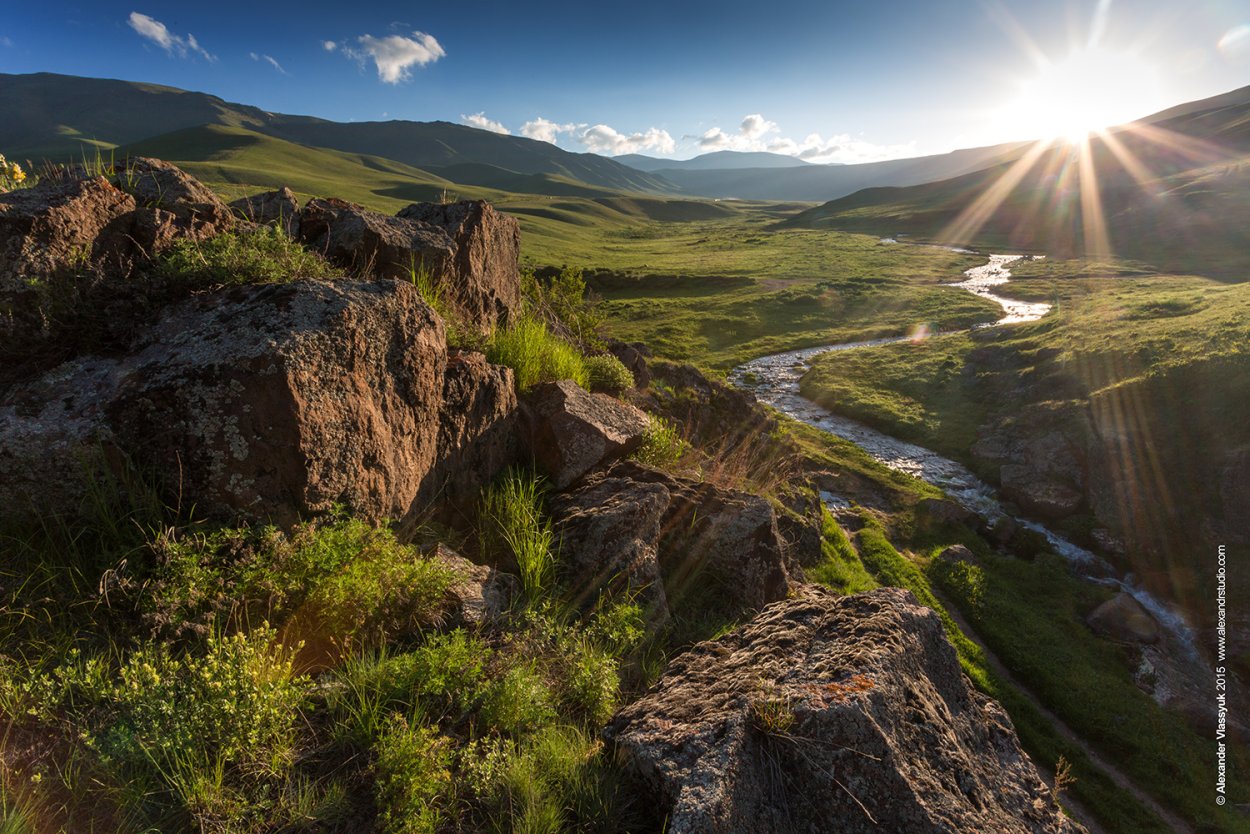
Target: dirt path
column 1077, row 811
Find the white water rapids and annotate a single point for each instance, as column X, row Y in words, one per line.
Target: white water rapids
column 774, row 379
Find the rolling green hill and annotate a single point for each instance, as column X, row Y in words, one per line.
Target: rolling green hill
column 58, row 116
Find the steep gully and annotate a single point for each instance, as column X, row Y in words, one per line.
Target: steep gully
column 774, row 379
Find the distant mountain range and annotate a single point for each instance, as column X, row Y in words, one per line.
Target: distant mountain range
column 716, row 160
column 62, row 117
column 1172, row 189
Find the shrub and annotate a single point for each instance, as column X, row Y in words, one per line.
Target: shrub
column 263, row 255
column 513, row 525
column 413, row 781
column 12, row 176
column 535, row 354
column 607, row 373
column 518, row 702
column 333, row 582
column 563, row 299
column 590, row 685
column 446, row 672
column 662, row 444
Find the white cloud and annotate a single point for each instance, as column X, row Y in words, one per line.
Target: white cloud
column 395, row 55
column 329, row 46
column 270, row 60
column 545, row 130
column 605, row 140
column 756, row 126
column 479, row 120
column 159, row 34
column 756, row 133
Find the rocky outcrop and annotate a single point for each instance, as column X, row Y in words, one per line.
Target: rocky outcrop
column 57, row 227
column 371, row 243
column 631, row 524
column 828, row 712
column 276, row 208
column 633, row 355
column 482, row 285
column 265, row 402
column 1041, row 465
column 569, row 431
column 1123, row 618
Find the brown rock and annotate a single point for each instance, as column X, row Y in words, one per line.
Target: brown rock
column 280, row 208
column 370, row 243
column 570, row 431
column 264, row 402
column 477, row 435
column 831, row 712
column 957, row 553
column 619, row 521
column 633, row 355
column 609, row 534
column 1038, row 494
column 1123, row 618
column 57, row 227
column 172, row 204
column 484, row 283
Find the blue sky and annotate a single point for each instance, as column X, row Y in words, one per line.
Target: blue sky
column 830, row 81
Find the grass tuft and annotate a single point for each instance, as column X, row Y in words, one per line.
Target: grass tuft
column 536, row 354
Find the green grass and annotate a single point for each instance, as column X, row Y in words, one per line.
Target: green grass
column 841, row 569
column 514, row 528
column 263, row 255
column 535, row 354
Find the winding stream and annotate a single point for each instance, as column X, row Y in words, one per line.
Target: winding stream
column 774, row 379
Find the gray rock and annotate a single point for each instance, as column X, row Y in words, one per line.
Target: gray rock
column 1039, row 494
column 828, row 712
column 570, row 431
column 481, row 595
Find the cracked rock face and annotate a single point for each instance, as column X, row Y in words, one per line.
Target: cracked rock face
column 829, row 713
column 265, row 402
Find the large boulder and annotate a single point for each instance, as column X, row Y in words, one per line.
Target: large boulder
column 632, row 524
column 832, row 713
column 570, row 431
column 56, row 227
column 477, row 435
column 264, row 402
column 484, row 285
column 1124, row 619
column 371, row 243
column 272, row 208
column 609, row 533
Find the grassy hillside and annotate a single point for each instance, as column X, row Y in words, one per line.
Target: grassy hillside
column 56, row 116
column 1171, row 191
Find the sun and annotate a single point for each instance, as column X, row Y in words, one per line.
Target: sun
column 1087, row 91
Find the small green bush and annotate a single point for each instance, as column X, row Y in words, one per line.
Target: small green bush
column 263, row 255
column 662, row 444
column 536, row 354
column 607, row 373
column 446, row 673
column 564, row 299
column 413, row 784
column 590, row 685
column 517, row 703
